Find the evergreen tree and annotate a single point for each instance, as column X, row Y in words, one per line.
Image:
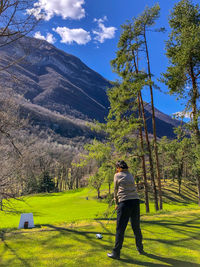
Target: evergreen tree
column 183, row 73
column 124, row 124
column 132, row 43
column 142, row 25
column 46, row 182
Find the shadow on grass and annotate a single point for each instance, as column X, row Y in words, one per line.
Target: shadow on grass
column 191, row 189
column 105, row 219
column 12, row 251
column 176, row 197
column 86, row 234
column 175, row 225
column 165, row 262
column 188, row 228
column 74, row 231
column 81, row 237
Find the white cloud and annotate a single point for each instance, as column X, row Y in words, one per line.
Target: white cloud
column 80, row 36
column 46, row 9
column 49, row 38
column 101, row 20
column 103, row 33
column 39, row 36
column 183, row 114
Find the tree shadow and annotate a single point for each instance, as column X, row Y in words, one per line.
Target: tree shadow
column 186, row 228
column 191, row 189
column 166, row 262
column 169, row 223
column 176, row 197
column 13, row 251
column 104, row 232
column 87, row 234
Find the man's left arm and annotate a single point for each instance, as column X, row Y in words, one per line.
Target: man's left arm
column 115, row 191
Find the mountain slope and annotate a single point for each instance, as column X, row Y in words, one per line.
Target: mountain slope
column 55, row 80
column 61, row 83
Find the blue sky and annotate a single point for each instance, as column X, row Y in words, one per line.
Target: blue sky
column 90, row 30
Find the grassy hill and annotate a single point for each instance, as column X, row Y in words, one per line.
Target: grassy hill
column 67, row 224
column 82, row 204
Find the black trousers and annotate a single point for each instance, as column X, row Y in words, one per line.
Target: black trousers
column 128, row 209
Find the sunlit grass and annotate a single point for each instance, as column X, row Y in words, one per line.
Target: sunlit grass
column 54, row 208
column 67, row 224
column 169, row 240
column 82, row 204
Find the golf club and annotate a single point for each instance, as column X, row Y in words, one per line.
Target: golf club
column 100, row 236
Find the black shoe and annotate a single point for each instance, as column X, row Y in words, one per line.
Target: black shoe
column 113, row 255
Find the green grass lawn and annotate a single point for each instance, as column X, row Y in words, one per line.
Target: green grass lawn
column 54, row 208
column 169, row 240
column 71, row 206
column 67, row 224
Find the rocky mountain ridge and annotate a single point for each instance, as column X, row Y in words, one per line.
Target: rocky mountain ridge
column 59, row 91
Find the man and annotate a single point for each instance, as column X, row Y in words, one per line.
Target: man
column 128, row 206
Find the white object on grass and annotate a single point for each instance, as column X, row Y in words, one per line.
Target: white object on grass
column 26, row 217
column 99, row 236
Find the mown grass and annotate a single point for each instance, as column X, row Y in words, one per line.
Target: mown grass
column 169, row 240
column 53, row 208
column 65, row 233
column 81, row 204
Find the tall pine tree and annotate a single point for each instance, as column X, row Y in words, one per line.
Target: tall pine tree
column 183, row 73
column 132, row 46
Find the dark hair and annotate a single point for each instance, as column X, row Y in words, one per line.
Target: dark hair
column 121, row 164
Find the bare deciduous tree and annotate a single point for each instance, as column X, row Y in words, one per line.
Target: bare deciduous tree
column 15, row 21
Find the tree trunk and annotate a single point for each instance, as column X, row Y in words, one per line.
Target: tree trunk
column 180, row 174
column 77, row 181
column 147, row 140
column 56, row 184
column 143, row 162
column 179, row 179
column 98, row 193
column 179, row 187
column 194, row 106
column 195, row 122
column 153, row 124
column 150, row 155
column 198, row 190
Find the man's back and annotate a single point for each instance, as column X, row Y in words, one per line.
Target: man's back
column 125, row 186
